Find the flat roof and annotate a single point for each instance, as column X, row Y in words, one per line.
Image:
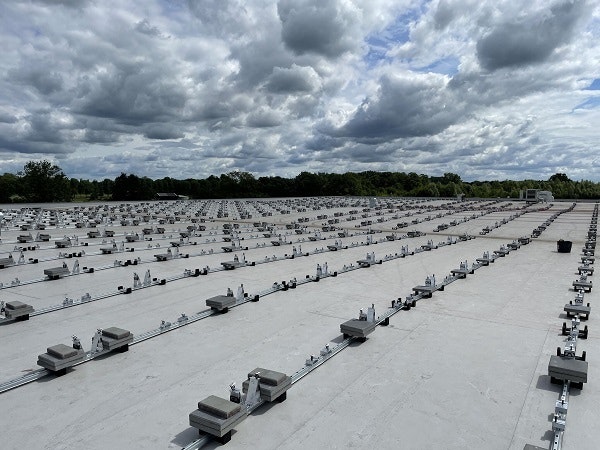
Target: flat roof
column 466, row 368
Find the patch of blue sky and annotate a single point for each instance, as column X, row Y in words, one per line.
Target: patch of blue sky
column 589, row 103
column 172, row 7
column 595, row 86
column 396, row 33
column 376, row 55
column 445, row 66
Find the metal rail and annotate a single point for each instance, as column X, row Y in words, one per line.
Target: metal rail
column 165, row 327
column 560, row 419
column 68, row 303
column 325, row 356
column 24, row 379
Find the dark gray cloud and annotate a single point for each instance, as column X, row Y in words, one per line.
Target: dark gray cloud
column 529, row 41
column 263, row 118
column 43, row 80
column 314, row 26
column 6, row 117
column 257, row 61
column 190, row 89
column 444, row 14
column 68, row 3
column 162, row 131
column 96, row 136
column 293, row 79
column 144, row 27
column 404, row 107
column 223, row 17
column 131, row 93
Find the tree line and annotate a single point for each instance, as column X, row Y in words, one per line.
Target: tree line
column 42, row 181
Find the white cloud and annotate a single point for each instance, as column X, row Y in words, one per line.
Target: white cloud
column 279, row 87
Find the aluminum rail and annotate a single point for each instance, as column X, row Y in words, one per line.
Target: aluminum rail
column 68, row 303
column 326, row 356
column 560, row 415
column 37, row 374
column 25, row 379
column 186, row 320
column 183, row 320
column 194, row 255
column 167, row 326
column 164, row 328
column 204, row 253
column 559, row 432
column 297, row 376
column 317, row 362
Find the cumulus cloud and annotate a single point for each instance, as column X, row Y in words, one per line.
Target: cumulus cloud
column 40, row 78
column 529, row 40
column 483, row 88
column 318, row 27
column 144, row 27
column 404, row 106
column 293, row 79
column 263, row 118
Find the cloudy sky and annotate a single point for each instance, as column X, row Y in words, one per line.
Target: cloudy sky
column 488, row 89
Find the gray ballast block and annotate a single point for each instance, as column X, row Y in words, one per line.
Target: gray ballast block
column 570, row 369
column 116, row 333
column 586, row 269
column 108, row 250
column 220, row 302
column 6, row 262
column 427, row 290
column 162, row 256
column 271, row 384
column 219, row 407
column 60, row 357
column 269, row 377
column 270, row 393
column 485, row 261
column 217, row 416
column 533, row 447
column 62, row 243
column 56, row 272
column 578, row 308
column 230, row 265
column 114, row 338
column 15, row 309
column 585, row 285
column 462, row 273
column 16, row 305
column 61, row 351
column 357, row 328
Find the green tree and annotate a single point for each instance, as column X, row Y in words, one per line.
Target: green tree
column 132, row 187
column 559, row 177
column 9, row 187
column 45, row 182
column 308, row 184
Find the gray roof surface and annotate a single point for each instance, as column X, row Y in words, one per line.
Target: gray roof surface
column 466, row 368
